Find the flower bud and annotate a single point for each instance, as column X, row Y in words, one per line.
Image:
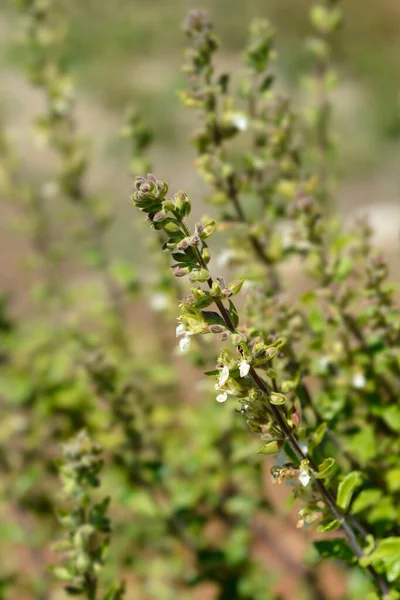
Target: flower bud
column 199, row 275
column 194, row 240
column 207, row 231
column 168, row 205
column 238, row 338
column 160, row 216
column 215, row 289
column 227, row 293
column 198, row 228
column 180, row 271
column 82, row 562
column 180, row 199
column 184, row 244
column 217, row 328
column 171, row 227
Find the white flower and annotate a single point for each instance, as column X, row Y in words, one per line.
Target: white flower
column 244, row 368
column 240, row 121
column 223, row 378
column 159, row 302
column 222, row 397
column 304, row 447
column 359, row 381
column 304, row 477
column 180, row 330
column 323, row 362
column 184, row 343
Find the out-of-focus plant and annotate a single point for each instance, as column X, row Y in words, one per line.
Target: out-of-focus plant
column 325, row 18
column 86, row 522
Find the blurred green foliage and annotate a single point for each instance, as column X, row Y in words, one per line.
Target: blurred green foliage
column 182, row 504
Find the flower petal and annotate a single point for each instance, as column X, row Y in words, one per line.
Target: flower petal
column 184, row 343
column 180, row 330
column 222, row 397
column 224, row 376
column 244, row 368
column 304, row 477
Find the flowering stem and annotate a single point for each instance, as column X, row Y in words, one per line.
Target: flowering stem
column 280, row 420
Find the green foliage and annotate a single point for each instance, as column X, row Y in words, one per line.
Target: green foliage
column 315, row 379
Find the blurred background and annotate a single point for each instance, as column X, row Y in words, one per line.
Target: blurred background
column 129, row 52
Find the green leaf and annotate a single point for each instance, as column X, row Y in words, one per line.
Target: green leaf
column 325, row 468
column 318, row 435
column 347, row 487
column 365, row 499
column 210, row 373
column 388, row 555
column 391, row 416
column 233, row 314
column 329, row 526
column 212, row 318
column 61, row 573
column 363, row 444
column 271, row 447
column 393, row 480
column 336, row 548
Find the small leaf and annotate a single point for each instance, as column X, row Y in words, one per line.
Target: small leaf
column 212, row 318
column 336, row 548
column 266, row 83
column 271, row 447
column 388, row 555
column 329, row 526
column 318, row 435
column 325, row 468
column 233, row 314
column 347, row 487
column 61, row 573
column 365, row 499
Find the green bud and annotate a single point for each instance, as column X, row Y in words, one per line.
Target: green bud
column 215, row 289
column 238, row 338
column 82, row 562
column 206, row 255
column 207, row 231
column 277, row 399
column 160, row 216
column 172, row 226
column 181, row 198
column 62, row 573
column 168, row 205
column 201, row 275
column 180, row 271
